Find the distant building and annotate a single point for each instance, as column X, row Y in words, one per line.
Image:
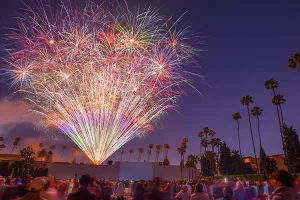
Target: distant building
column 279, row 158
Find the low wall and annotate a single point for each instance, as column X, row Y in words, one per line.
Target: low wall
column 120, row 170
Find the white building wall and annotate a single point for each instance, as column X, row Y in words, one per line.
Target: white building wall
column 120, row 170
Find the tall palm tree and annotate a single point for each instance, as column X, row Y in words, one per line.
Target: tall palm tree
column 140, row 150
column 150, row 150
column 64, row 147
column 237, row 116
column 158, row 149
column 279, row 100
column 294, row 61
column 256, row 112
column 206, row 132
column 157, row 155
column 211, row 133
column 17, row 140
column 201, row 135
column 189, row 164
column 196, row 158
column 182, row 150
column 246, row 101
column 130, row 152
column 272, row 84
column 167, row 148
column 122, row 153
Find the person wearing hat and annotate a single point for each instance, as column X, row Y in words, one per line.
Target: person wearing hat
column 36, row 187
column 83, row 193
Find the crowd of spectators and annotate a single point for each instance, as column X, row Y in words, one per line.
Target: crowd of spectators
column 281, row 186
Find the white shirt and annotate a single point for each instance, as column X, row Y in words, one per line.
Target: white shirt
column 183, row 195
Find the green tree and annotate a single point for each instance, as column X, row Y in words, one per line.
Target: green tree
column 237, row 162
column 208, row 161
column 294, row 61
column 292, row 147
column 27, row 157
column 225, row 163
column 267, row 165
column 246, row 101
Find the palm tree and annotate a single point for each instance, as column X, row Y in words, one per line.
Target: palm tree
column 158, row 148
column 236, row 116
column 17, row 140
column 189, row 164
column 182, row 150
column 1, row 139
column 150, row 150
column 167, row 148
column 140, row 150
column 294, row 61
column 246, row 101
column 201, row 135
column 278, row 100
column 122, row 153
column 64, row 147
column 256, row 112
column 206, row 131
column 185, row 140
column 130, row 152
column 157, row 155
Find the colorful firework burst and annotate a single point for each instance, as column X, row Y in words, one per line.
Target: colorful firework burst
column 101, row 77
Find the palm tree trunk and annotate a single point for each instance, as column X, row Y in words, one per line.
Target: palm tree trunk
column 181, row 168
column 121, row 156
column 149, row 155
column 192, row 173
column 282, row 139
column 238, row 123
column 262, row 162
column 129, row 157
column 253, row 141
column 13, row 149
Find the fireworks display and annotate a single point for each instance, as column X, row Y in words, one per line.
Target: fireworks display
column 101, row 77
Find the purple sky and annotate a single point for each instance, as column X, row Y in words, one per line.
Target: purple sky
column 247, row 42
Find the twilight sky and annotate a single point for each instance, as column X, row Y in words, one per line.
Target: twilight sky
column 248, row 42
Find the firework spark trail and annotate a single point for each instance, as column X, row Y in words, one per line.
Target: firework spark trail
column 101, row 78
